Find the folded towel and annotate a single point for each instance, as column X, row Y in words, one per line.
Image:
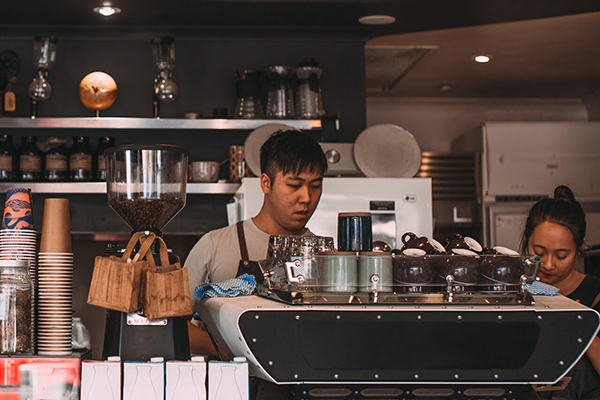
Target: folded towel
column 541, row 289
column 243, row 285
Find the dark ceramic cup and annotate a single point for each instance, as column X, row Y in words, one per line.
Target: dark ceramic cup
column 413, row 271
column 502, row 271
column 464, row 266
column 411, row 241
column 457, row 241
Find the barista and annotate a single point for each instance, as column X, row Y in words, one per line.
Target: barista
column 292, row 165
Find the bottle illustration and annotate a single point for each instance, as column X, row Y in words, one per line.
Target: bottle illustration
column 100, row 383
column 186, row 387
column 228, row 388
column 143, row 389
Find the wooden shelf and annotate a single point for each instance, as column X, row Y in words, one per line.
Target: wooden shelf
column 100, row 187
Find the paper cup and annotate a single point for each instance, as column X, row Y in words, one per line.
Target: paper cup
column 56, row 227
column 17, row 210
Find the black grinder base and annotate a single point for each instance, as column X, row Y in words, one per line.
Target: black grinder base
column 122, row 337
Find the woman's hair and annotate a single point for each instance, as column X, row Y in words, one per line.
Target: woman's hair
column 291, row 151
column 563, row 209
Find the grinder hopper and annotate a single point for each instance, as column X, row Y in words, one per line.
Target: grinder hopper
column 146, row 184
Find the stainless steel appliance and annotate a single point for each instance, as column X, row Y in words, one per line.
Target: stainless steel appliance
column 146, row 187
column 522, row 162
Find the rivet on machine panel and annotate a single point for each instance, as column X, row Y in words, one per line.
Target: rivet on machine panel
column 456, row 376
column 419, row 317
column 496, row 376
column 579, row 340
column 579, row 317
column 376, row 376
column 379, row 317
column 270, row 362
column 336, row 376
column 499, row 316
column 257, row 316
column 539, row 317
column 296, row 376
column 561, row 362
column 416, row 376
column 535, row 376
column 459, row 317
column 297, row 317
column 254, row 340
column 338, row 317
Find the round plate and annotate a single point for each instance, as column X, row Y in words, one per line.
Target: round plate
column 255, row 140
column 387, row 151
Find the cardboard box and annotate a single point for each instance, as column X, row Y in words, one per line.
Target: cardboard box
column 186, row 380
column 228, row 380
column 101, row 380
column 143, row 381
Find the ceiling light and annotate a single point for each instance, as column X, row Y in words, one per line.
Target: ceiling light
column 377, row 20
column 445, row 88
column 107, row 11
column 482, row 59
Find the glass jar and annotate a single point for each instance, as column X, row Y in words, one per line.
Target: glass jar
column 15, row 307
column 30, row 160
column 56, row 161
column 104, row 142
column 8, row 159
column 80, row 160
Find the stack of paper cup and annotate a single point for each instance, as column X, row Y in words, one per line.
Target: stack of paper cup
column 55, row 280
column 18, row 239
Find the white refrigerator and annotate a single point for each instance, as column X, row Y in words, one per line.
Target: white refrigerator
column 397, row 206
column 522, row 162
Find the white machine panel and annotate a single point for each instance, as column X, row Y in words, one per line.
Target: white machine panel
column 397, row 204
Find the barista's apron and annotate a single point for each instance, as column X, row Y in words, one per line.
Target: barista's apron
column 246, row 266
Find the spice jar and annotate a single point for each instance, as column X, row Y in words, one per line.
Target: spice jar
column 15, row 307
column 80, row 159
column 8, row 159
column 104, row 142
column 56, row 161
column 30, row 160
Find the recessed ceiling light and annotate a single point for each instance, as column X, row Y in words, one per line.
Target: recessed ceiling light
column 107, row 11
column 377, row 20
column 482, row 58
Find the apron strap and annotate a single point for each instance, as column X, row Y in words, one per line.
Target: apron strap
column 242, row 243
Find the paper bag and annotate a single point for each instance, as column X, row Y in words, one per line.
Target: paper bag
column 166, row 288
column 116, row 281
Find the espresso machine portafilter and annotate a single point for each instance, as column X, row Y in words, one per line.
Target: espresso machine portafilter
column 146, row 187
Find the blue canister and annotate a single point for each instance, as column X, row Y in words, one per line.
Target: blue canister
column 355, row 232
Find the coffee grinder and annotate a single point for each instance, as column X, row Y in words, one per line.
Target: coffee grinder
column 146, row 186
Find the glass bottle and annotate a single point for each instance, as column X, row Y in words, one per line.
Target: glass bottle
column 30, row 160
column 8, row 159
column 104, row 142
column 80, row 160
column 56, row 161
column 15, row 307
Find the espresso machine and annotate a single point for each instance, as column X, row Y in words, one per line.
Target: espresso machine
column 146, row 187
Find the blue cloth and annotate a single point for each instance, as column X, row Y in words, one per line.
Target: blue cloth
column 541, row 289
column 243, row 285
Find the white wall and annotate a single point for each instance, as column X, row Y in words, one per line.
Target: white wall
column 435, row 123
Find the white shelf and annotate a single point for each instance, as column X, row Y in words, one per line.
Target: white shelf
column 151, row 123
column 100, row 187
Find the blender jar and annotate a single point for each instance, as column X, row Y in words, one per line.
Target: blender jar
column 146, row 184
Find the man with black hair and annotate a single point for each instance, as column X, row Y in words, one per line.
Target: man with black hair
column 292, row 166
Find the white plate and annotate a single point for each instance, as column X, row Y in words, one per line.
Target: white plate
column 255, row 140
column 387, row 150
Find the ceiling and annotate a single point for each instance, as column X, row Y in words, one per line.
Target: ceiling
column 540, row 48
